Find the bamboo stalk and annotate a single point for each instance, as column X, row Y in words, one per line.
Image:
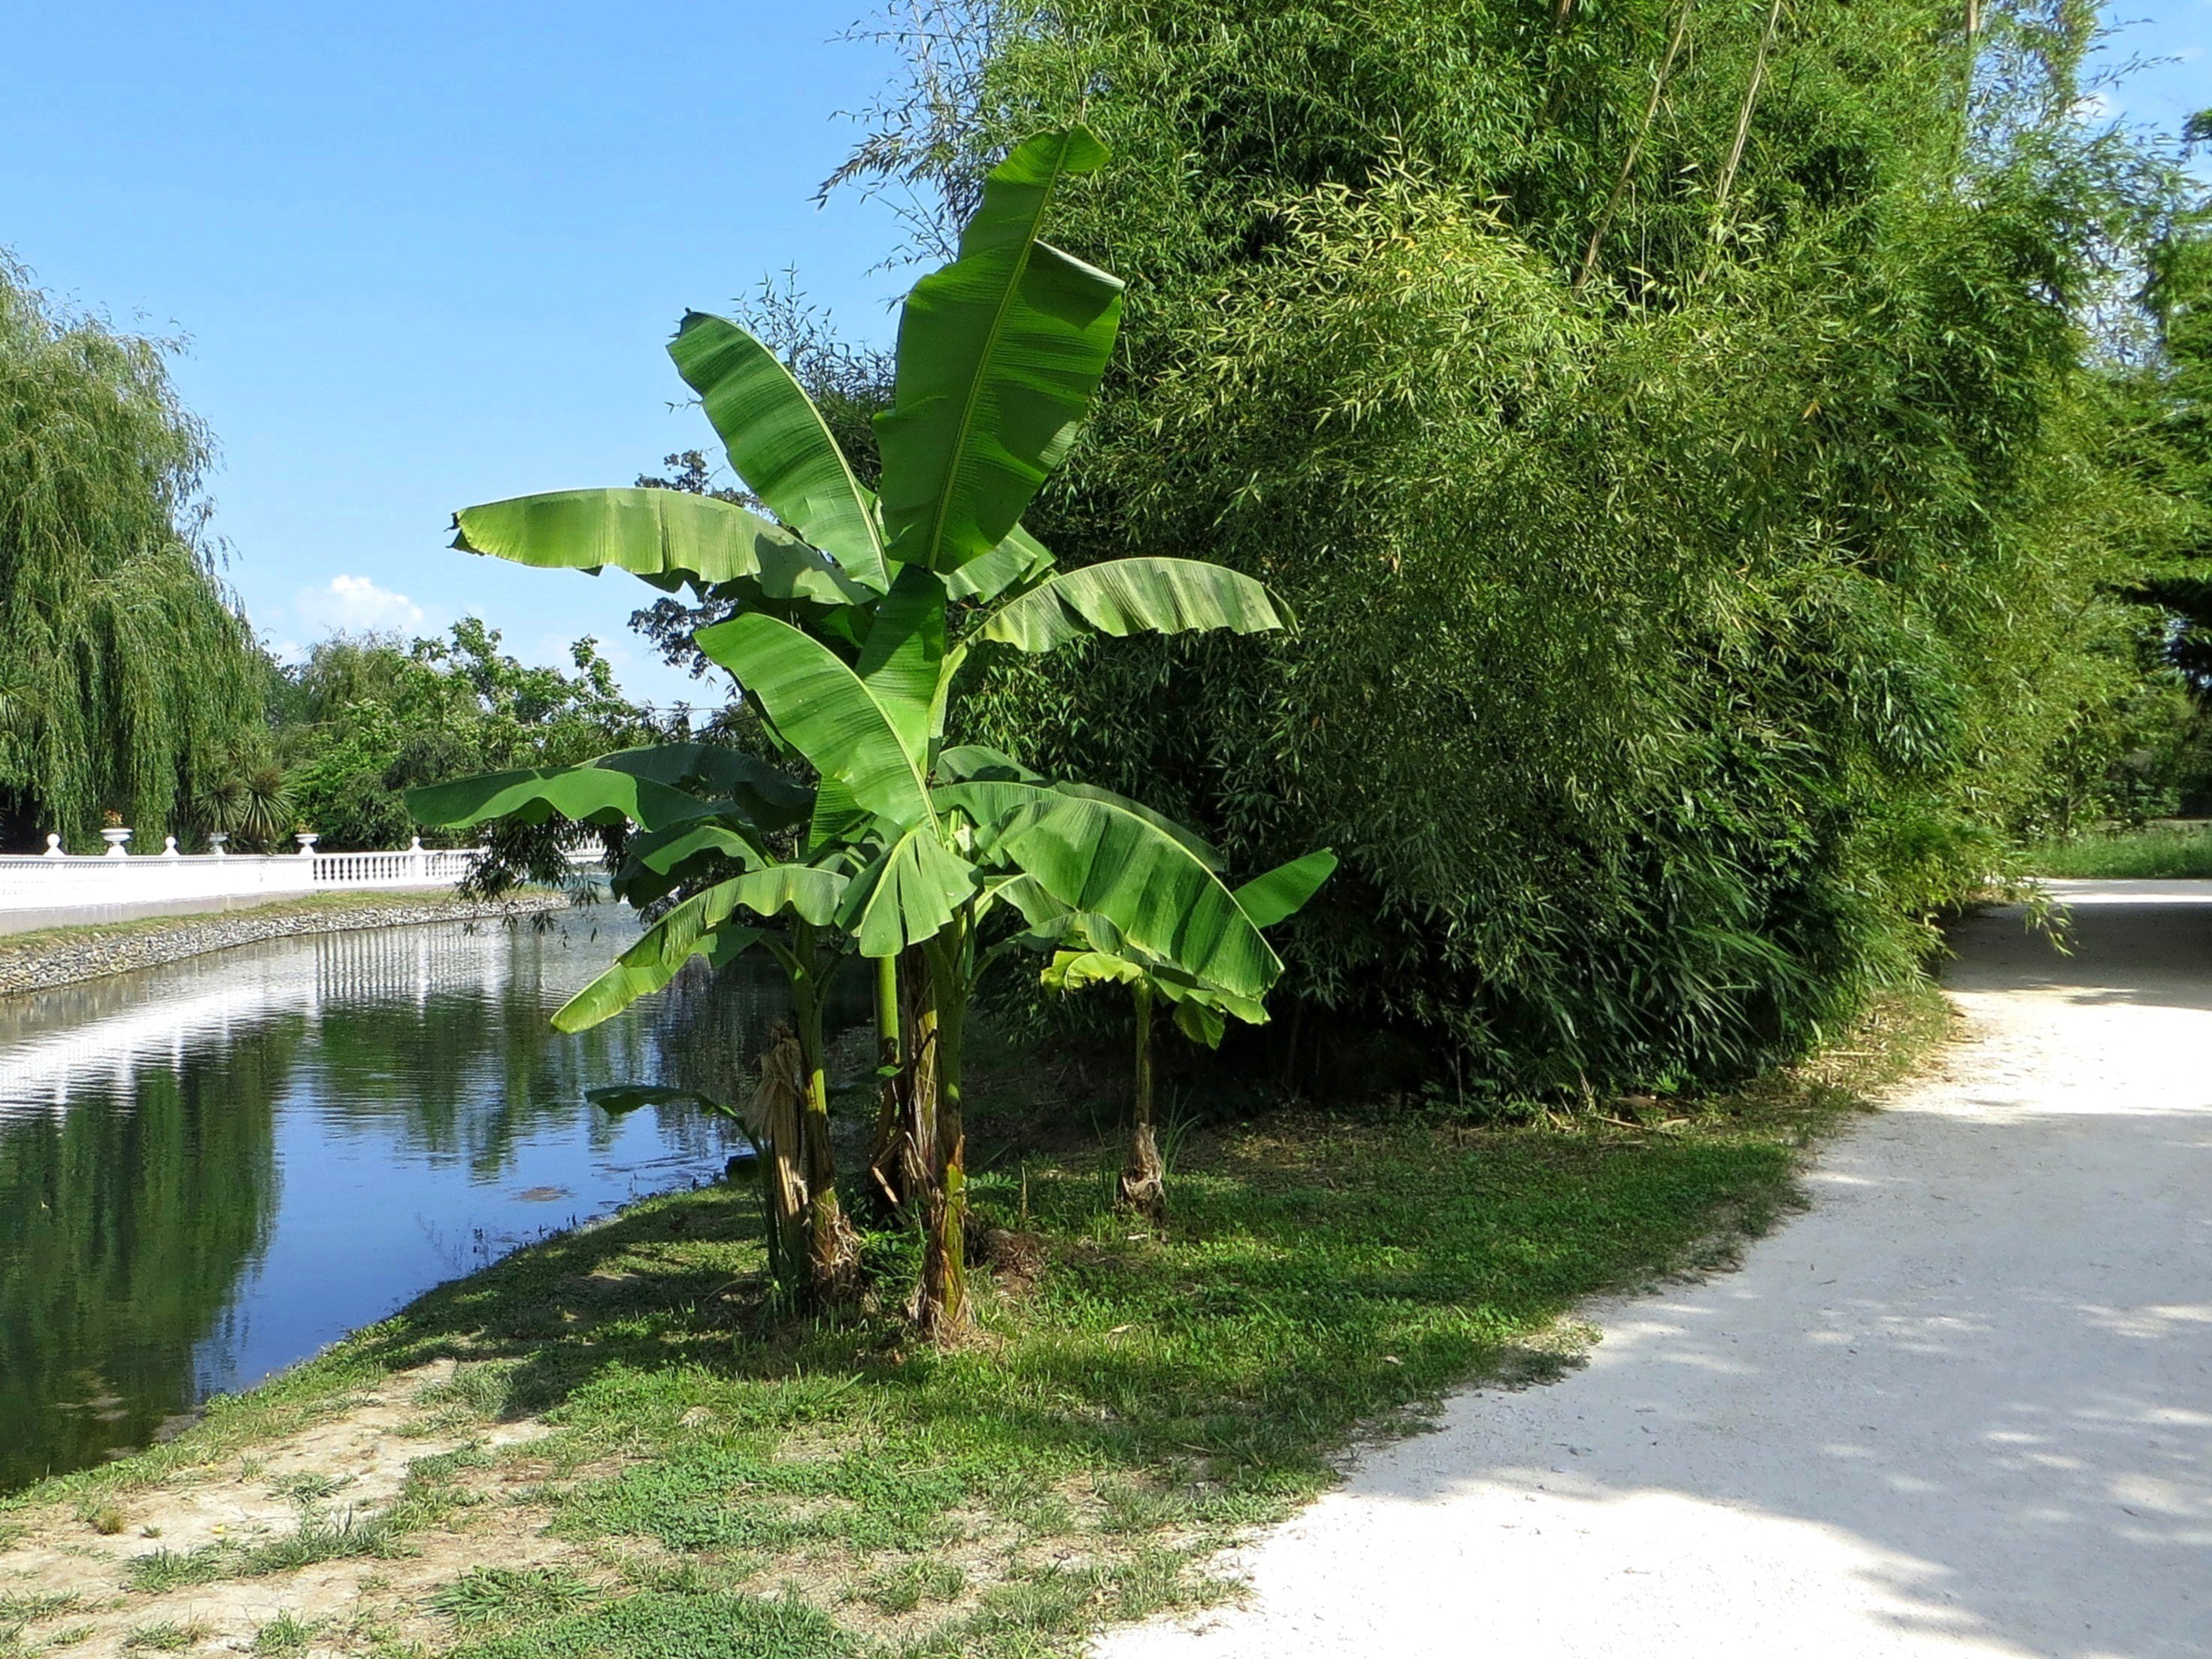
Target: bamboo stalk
column 1635, row 148
column 1743, row 116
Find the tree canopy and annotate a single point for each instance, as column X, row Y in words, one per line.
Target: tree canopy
column 1681, row 432
column 128, row 682
column 365, row 717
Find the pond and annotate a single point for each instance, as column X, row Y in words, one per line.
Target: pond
column 211, row 1169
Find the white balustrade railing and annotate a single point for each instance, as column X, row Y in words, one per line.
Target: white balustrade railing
column 57, row 882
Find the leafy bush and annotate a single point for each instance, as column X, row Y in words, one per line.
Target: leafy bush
column 1704, row 546
column 365, row 718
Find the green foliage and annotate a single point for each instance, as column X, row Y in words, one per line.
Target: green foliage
column 2161, row 409
column 127, row 682
column 1705, row 549
column 486, row 1592
column 849, row 654
column 2163, row 853
column 365, row 718
column 286, row 1633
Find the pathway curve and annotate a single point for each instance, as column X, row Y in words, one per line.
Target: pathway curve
column 1962, row 1406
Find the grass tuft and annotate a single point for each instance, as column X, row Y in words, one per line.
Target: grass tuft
column 286, row 1633
column 485, row 1593
column 166, row 1636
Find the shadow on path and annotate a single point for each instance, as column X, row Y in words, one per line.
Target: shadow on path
column 1963, row 1406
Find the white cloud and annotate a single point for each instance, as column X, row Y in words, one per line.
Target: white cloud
column 355, row 604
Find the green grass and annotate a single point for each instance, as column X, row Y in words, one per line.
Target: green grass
column 168, row 1635
column 286, row 1633
column 485, row 1594
column 2166, row 853
column 727, row 1483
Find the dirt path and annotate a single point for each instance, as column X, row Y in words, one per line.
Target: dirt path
column 1963, row 1406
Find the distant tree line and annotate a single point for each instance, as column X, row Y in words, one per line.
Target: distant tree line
column 132, row 685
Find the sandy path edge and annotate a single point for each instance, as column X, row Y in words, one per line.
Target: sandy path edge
column 1963, row 1406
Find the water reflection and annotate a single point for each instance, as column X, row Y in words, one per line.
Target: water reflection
column 211, row 1169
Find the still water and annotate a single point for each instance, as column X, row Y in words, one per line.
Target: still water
column 211, row 1169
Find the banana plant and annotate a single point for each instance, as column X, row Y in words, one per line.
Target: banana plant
column 856, row 611
column 708, row 822
column 1088, row 949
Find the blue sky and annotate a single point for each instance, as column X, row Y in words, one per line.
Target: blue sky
column 426, row 255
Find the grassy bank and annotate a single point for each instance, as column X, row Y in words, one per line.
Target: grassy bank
column 2168, row 851
column 660, row 1468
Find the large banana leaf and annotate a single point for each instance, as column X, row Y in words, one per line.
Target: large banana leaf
column 778, row 443
column 768, row 797
column 1097, row 854
column 693, row 928
column 906, row 893
column 838, row 820
column 999, row 354
column 1134, row 596
column 590, row 793
column 1196, row 844
column 901, row 658
column 1020, row 558
column 806, row 891
column 1283, row 890
column 967, row 761
column 667, row 537
column 1199, row 1007
column 824, row 710
column 659, row 862
column 973, row 763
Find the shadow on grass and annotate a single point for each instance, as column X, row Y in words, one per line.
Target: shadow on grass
column 1315, row 1279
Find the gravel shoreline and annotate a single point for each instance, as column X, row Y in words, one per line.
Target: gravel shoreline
column 42, row 963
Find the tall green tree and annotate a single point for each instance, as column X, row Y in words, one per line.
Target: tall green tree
column 1676, row 430
column 128, row 682
column 364, row 718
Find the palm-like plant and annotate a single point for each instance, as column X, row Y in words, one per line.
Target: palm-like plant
column 855, row 614
column 1088, row 949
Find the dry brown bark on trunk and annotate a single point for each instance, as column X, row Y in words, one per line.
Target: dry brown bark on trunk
column 1144, row 1176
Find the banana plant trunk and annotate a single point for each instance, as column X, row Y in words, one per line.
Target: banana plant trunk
column 832, row 1247
column 942, row 1311
column 900, row 1161
column 778, row 1114
column 1144, row 1176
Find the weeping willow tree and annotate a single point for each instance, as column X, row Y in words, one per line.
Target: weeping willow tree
column 127, row 683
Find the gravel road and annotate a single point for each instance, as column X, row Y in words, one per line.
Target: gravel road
column 1962, row 1406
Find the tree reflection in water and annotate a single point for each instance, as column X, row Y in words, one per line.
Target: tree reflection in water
column 208, row 1170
